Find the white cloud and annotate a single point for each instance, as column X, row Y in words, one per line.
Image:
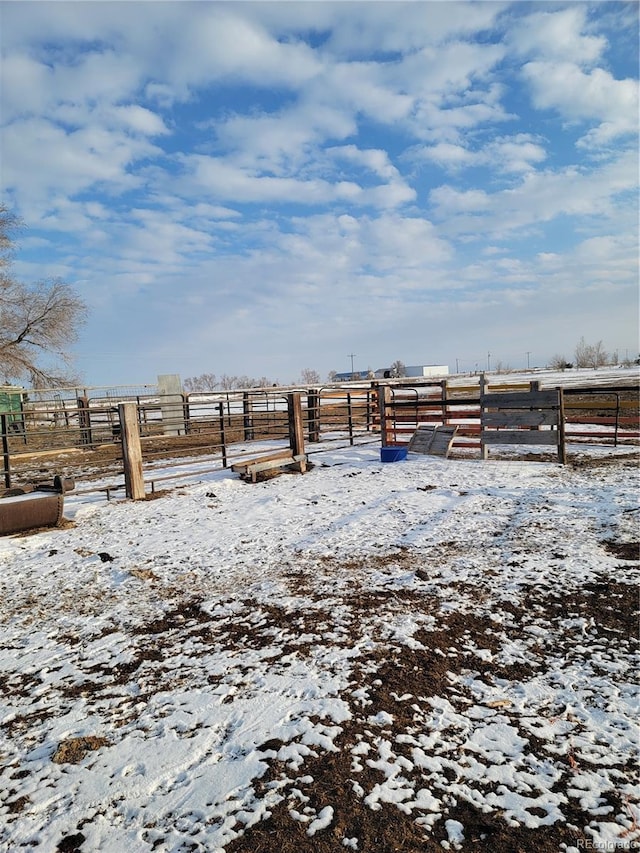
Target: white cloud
column 557, row 35
column 374, row 159
column 563, row 76
column 25, row 83
column 217, row 41
column 592, row 96
column 219, row 177
column 282, row 142
column 56, row 89
column 519, row 153
column 366, row 89
column 539, row 197
column 40, row 157
column 451, row 201
column 454, row 89
column 138, row 119
column 405, row 27
column 225, row 180
column 447, row 154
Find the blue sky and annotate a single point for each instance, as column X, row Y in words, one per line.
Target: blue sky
column 257, row 188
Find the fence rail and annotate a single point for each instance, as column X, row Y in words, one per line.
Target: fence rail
column 81, row 435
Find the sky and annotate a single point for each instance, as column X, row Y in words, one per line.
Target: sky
column 260, row 188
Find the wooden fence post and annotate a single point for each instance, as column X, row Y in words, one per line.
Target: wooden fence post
column 296, row 427
column 384, row 404
column 131, row 451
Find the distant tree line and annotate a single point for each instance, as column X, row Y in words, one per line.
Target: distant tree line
column 589, row 355
column 208, row 382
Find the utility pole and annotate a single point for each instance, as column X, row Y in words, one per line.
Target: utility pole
column 528, row 354
column 488, row 361
column 352, row 356
column 457, row 371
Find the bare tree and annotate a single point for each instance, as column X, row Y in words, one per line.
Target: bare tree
column 599, row 356
column 204, row 382
column 9, row 224
column 398, row 369
column 309, row 376
column 230, row 383
column 38, row 322
column 590, row 355
column 559, row 362
column 227, row 382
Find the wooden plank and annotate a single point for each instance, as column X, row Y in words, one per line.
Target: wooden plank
column 240, row 467
column 131, row 451
column 506, row 388
column 519, row 436
column 269, row 464
column 599, row 404
column 608, row 421
column 66, row 451
column 386, row 425
column 520, row 418
column 530, row 400
column 296, row 424
column 264, row 464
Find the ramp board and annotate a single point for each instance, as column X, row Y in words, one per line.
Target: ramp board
column 433, row 440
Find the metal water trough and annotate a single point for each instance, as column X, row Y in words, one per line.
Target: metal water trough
column 34, row 505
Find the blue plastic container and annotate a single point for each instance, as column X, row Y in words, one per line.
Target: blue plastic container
column 393, row 454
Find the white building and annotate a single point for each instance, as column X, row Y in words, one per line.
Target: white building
column 415, row 370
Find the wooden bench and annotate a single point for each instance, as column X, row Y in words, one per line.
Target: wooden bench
column 285, row 459
column 517, row 418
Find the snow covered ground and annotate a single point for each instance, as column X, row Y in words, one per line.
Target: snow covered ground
column 425, row 655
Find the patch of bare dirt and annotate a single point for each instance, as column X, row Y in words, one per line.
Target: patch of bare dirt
column 64, row 524
column 71, row 843
column 73, row 750
column 623, row 550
